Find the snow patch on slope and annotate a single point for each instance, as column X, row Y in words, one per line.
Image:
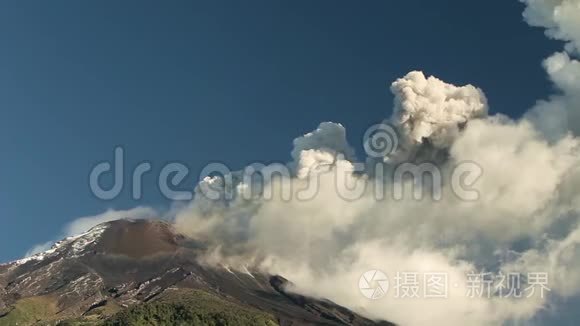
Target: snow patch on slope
column 76, row 244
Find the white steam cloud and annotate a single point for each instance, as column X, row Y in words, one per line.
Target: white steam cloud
column 561, row 113
column 525, row 220
column 559, row 17
column 428, row 109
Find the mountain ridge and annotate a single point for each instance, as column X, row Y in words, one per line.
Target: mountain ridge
column 119, row 265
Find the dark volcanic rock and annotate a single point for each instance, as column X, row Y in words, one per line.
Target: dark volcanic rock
column 125, row 263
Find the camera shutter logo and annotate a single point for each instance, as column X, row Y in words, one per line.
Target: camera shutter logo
column 373, row 284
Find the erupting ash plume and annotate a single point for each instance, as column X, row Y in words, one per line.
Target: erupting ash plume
column 561, row 18
column 526, row 219
column 521, row 222
column 430, row 110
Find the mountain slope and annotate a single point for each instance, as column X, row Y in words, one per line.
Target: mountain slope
column 124, row 271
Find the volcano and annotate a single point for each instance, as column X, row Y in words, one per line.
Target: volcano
column 142, row 272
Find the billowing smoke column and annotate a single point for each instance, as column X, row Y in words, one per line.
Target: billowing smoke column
column 559, row 17
column 430, row 110
column 526, row 220
column 320, row 147
column 561, row 113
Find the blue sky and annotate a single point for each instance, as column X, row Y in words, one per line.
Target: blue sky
column 225, row 81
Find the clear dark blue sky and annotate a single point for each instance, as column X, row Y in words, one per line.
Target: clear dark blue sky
column 233, row 81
